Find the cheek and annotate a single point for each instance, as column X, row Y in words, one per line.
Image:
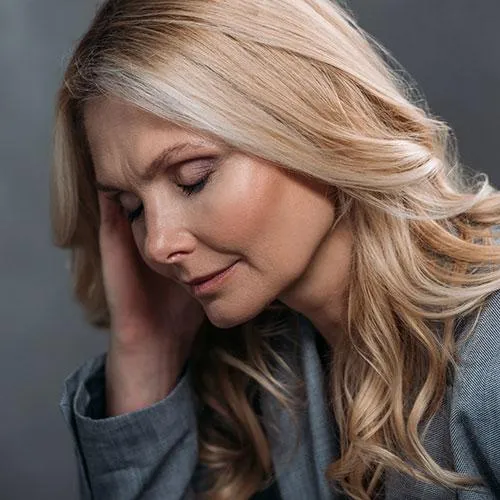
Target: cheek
column 244, row 211
column 283, row 223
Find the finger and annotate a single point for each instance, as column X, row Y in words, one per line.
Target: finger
column 117, row 245
column 114, row 227
column 109, row 211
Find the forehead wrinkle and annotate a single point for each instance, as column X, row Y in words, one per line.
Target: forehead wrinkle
column 167, row 158
column 130, row 177
column 121, row 166
column 114, row 178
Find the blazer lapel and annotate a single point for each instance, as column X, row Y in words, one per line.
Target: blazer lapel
column 300, row 471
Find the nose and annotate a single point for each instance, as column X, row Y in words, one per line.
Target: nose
column 167, row 241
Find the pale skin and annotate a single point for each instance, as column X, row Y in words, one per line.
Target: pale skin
column 276, row 228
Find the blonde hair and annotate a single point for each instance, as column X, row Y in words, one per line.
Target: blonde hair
column 299, row 83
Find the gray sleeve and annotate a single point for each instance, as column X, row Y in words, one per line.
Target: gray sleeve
column 149, row 454
column 475, row 409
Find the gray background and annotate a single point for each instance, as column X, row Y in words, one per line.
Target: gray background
column 451, row 47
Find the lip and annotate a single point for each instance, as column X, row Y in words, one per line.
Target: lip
column 207, row 277
column 213, row 282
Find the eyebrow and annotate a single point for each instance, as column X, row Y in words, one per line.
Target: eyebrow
column 164, row 159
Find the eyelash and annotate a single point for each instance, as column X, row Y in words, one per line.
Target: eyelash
column 188, row 190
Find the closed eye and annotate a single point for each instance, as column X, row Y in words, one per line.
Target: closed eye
column 188, row 190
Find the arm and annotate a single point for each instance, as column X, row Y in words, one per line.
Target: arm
column 149, row 454
column 142, row 442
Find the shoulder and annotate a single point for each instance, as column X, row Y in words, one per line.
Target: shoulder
column 475, row 401
column 479, row 355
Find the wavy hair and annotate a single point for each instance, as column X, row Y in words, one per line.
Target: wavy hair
column 299, row 83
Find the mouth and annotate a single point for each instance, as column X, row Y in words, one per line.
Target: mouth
column 202, row 279
column 211, row 282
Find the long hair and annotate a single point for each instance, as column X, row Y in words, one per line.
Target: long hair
column 299, row 83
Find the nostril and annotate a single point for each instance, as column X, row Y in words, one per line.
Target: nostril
column 167, row 245
column 172, row 259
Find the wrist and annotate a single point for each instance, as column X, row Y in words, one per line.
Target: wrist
column 133, row 384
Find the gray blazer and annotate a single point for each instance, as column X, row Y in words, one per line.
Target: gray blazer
column 152, row 453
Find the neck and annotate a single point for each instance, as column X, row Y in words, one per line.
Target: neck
column 320, row 293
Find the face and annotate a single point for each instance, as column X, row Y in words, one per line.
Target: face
column 205, row 207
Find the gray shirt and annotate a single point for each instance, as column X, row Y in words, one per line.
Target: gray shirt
column 152, row 453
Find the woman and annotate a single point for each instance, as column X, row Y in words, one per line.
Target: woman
column 299, row 279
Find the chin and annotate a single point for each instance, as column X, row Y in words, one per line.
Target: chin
column 230, row 318
column 228, row 321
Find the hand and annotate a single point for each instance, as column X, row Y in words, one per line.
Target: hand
column 153, row 320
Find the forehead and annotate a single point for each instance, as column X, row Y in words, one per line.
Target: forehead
column 124, row 139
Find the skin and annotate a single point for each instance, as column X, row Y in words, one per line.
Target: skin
column 276, row 226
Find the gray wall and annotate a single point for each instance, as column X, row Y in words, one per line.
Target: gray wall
column 451, row 47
